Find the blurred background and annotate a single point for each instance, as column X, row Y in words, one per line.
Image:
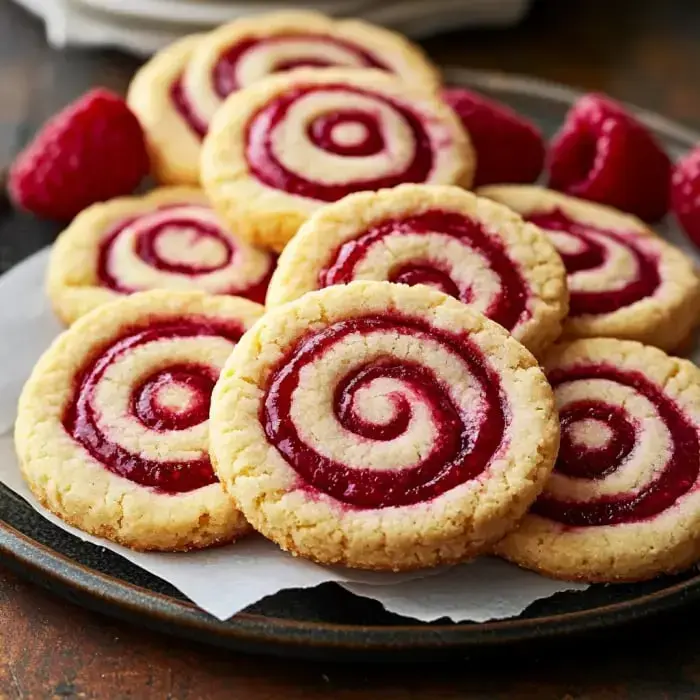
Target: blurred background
column 143, row 26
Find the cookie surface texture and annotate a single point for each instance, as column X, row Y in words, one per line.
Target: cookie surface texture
column 468, row 247
column 624, row 281
column 167, row 239
column 623, row 502
column 112, row 426
column 283, row 147
column 382, row 426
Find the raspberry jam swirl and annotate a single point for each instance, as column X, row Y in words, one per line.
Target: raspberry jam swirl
column 445, row 250
column 181, row 247
column 183, row 104
column 607, row 270
column 628, row 451
column 381, row 411
column 352, row 139
column 250, row 59
column 141, row 406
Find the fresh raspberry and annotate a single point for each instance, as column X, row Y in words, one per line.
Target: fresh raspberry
column 685, row 194
column 604, row 154
column 92, row 150
column 508, row 147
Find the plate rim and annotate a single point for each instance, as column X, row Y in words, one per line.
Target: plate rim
column 120, row 598
column 129, row 601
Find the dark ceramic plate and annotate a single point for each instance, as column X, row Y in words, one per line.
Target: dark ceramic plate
column 327, row 621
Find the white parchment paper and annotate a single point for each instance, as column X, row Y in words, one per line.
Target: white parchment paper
column 224, row 580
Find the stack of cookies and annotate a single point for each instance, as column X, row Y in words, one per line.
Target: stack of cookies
column 314, row 330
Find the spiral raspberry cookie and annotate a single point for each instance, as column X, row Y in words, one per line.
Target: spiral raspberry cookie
column 382, row 426
column 170, row 238
column 468, row 247
column 623, row 502
column 278, row 150
column 112, row 426
column 624, row 281
column 178, row 92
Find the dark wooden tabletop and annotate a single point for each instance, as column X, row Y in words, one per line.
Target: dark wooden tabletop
column 642, row 51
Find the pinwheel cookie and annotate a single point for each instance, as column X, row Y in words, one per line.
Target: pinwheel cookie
column 178, row 91
column 112, row 426
column 468, row 247
column 382, row 426
column 169, row 238
column 624, row 281
column 279, row 149
column 623, row 502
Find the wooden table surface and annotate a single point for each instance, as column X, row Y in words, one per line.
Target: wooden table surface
column 643, row 51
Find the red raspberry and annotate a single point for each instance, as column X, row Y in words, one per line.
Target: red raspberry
column 604, row 154
column 508, row 147
column 92, row 150
column 685, row 194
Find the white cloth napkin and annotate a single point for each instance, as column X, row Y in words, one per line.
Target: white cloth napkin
column 144, row 26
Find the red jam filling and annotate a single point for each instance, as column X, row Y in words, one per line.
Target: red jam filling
column 592, row 255
column 292, row 63
column 266, row 167
column 323, row 133
column 82, row 420
column 225, row 74
column 508, row 307
column 196, row 380
column 595, row 463
column 146, row 248
column 464, row 445
column 678, row 476
column 429, row 272
column 186, row 110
